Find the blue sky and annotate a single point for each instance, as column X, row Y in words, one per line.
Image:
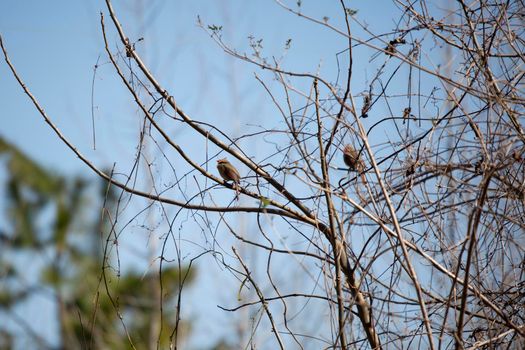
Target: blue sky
column 55, row 46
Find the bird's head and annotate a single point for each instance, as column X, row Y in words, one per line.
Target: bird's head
column 348, row 149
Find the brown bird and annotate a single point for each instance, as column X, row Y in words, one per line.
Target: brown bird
column 229, row 173
column 352, row 160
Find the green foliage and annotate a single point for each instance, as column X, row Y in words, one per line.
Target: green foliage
column 49, row 216
column 29, row 190
column 51, row 276
column 265, row 201
column 24, row 172
column 6, row 298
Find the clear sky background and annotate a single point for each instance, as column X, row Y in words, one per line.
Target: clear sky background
column 56, row 44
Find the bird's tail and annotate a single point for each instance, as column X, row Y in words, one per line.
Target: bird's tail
column 237, row 190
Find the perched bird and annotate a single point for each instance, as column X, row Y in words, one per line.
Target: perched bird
column 229, row 173
column 352, row 160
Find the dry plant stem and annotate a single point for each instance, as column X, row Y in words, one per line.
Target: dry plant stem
column 339, row 254
column 441, row 268
column 386, row 196
column 280, row 297
column 493, row 85
column 484, row 343
column 410, row 268
column 471, row 236
column 397, row 54
column 261, row 298
column 290, row 125
column 432, row 28
column 115, row 301
column 339, row 115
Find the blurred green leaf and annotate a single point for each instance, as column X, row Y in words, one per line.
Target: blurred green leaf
column 44, row 210
column 27, row 172
column 265, row 202
column 51, row 276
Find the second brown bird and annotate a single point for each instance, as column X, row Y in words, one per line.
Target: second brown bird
column 352, row 160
